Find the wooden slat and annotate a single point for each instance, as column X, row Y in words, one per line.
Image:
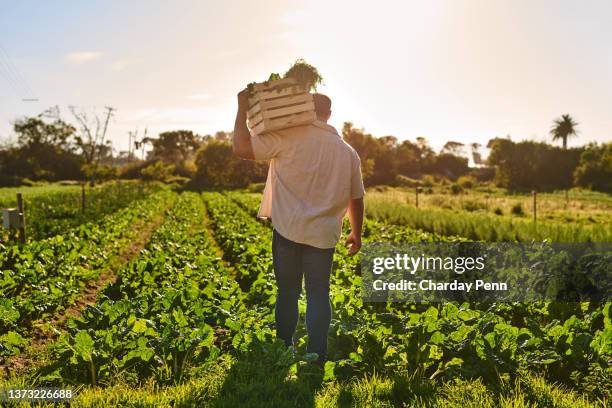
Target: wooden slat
column 253, row 110
column 292, row 120
column 288, row 100
column 259, row 128
column 275, row 113
column 285, row 122
column 255, row 119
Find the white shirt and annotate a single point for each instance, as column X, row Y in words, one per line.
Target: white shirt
column 312, row 177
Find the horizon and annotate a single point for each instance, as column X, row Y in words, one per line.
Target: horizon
column 463, row 71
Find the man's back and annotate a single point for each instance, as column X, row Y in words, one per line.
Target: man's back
column 313, row 175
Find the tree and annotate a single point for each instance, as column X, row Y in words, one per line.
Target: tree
column 368, row 149
column 531, row 165
column 91, row 140
column 454, row 148
column 476, row 156
column 594, row 170
column 33, row 132
column 218, row 167
column 408, row 156
column 564, row 127
column 449, row 165
column 222, row 136
column 175, row 146
column 43, row 150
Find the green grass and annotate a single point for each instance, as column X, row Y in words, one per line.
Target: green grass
column 578, row 207
column 254, row 380
column 484, row 226
column 53, row 209
column 8, row 194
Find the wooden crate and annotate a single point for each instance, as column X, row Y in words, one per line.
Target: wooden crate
column 279, row 105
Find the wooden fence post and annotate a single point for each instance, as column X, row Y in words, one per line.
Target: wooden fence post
column 83, row 197
column 534, row 195
column 416, row 195
column 22, row 227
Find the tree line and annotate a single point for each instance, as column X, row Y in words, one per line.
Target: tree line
column 50, row 149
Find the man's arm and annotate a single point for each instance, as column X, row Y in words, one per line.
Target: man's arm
column 355, row 215
column 242, row 137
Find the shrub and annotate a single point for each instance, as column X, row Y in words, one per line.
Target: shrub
column 428, row 180
column 498, row 211
column 517, row 209
column 158, row 171
column 132, row 170
column 466, row 181
column 456, row 189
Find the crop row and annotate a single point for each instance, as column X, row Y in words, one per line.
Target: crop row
column 180, row 315
column 38, row 279
column 570, row 342
column 373, row 231
column 173, row 307
column 54, row 210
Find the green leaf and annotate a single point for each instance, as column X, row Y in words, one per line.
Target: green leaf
column 140, row 326
column 83, row 345
column 329, row 374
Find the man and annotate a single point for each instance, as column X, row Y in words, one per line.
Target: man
column 314, row 177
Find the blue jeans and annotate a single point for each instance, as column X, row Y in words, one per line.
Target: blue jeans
column 291, row 261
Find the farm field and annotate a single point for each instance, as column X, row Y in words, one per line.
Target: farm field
column 495, row 216
column 169, row 302
column 51, row 209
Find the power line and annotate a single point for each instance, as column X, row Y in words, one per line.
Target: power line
column 19, row 82
column 10, row 76
column 16, row 71
column 4, row 72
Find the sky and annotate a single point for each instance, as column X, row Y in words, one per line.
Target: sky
column 463, row 70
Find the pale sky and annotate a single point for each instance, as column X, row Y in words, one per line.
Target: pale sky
column 465, row 70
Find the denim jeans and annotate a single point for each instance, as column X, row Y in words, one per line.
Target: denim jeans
column 291, row 261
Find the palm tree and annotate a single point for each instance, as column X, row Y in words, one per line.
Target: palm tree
column 564, row 127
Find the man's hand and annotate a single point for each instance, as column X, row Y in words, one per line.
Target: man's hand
column 241, row 143
column 353, row 241
column 243, row 100
column 355, row 215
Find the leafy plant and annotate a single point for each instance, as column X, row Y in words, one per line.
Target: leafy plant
column 306, row 76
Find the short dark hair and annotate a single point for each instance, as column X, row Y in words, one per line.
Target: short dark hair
column 322, row 104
